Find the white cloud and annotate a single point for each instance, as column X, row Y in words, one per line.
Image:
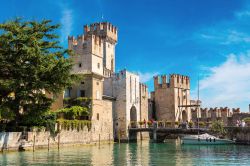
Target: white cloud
column 66, row 23
column 243, row 14
column 226, row 37
column 145, row 77
column 228, row 84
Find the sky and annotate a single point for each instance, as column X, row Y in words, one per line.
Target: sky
column 205, row 39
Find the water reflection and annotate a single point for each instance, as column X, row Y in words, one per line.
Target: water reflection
column 141, row 153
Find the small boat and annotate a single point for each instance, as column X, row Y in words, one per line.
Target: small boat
column 204, row 139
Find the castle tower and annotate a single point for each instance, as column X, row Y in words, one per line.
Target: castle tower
column 108, row 33
column 171, row 97
column 89, row 54
column 95, row 59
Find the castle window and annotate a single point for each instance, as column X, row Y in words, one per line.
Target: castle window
column 82, row 93
column 67, row 92
column 98, row 65
column 80, row 64
column 82, row 82
column 97, row 95
column 97, row 116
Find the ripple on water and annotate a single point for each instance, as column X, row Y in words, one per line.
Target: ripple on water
column 141, row 153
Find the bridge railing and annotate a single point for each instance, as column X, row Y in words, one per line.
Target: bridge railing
column 162, row 124
column 154, row 124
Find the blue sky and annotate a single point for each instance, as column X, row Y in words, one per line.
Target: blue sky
column 209, row 38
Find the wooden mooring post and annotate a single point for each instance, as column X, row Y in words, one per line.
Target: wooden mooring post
column 34, row 141
column 58, row 142
column 155, row 135
column 48, row 143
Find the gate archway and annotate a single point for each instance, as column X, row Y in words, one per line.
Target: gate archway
column 184, row 116
column 133, row 116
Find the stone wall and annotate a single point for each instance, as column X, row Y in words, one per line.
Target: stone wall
column 240, row 134
column 9, row 140
column 226, row 115
column 102, row 119
column 13, row 140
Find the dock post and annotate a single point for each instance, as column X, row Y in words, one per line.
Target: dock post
column 48, row 143
column 58, row 143
column 155, row 135
column 34, row 140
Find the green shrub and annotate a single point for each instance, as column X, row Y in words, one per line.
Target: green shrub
column 247, row 120
column 190, row 124
column 74, row 124
column 141, row 123
column 218, row 128
column 176, row 123
column 149, row 123
column 168, row 123
column 202, row 124
column 74, row 112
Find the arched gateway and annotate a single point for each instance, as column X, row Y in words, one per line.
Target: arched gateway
column 184, row 116
column 133, row 116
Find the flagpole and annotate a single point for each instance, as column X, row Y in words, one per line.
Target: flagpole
column 198, row 105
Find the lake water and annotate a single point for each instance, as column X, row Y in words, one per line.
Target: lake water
column 142, row 153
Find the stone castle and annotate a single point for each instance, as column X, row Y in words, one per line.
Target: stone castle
column 117, row 98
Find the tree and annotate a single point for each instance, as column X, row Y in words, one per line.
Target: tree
column 218, row 128
column 31, row 62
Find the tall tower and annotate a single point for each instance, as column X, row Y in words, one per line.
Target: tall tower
column 171, row 96
column 108, row 33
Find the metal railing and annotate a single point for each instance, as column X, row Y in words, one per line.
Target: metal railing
column 162, row 124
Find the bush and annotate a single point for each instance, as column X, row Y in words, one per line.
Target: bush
column 149, row 123
column 168, row 123
column 141, row 123
column 247, row 120
column 74, row 112
column 202, row 124
column 74, row 124
column 218, row 128
column 190, row 124
column 80, row 101
column 176, row 123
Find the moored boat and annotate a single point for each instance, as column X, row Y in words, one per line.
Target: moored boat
column 204, row 139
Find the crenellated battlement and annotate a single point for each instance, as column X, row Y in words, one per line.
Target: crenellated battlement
column 215, row 113
column 103, row 29
column 174, row 81
column 93, row 41
column 143, row 87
